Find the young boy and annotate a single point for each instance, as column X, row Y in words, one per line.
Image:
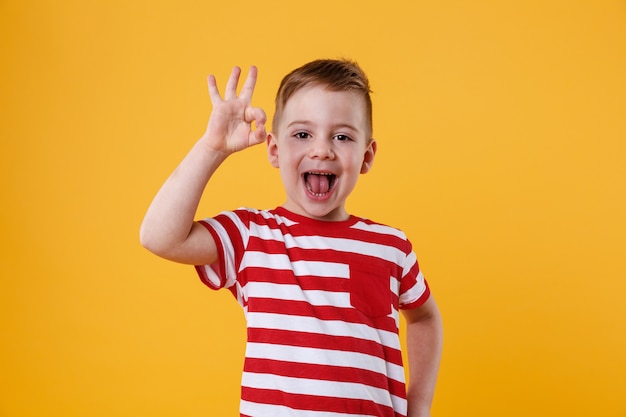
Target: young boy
column 321, row 289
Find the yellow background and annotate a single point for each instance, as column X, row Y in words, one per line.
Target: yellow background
column 502, row 154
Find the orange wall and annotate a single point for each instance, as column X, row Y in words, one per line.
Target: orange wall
column 502, row 153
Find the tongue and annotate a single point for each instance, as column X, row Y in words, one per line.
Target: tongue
column 319, row 183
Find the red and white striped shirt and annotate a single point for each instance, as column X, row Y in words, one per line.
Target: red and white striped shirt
column 321, row 301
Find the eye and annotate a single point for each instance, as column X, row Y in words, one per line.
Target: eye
column 302, row 135
column 342, row 138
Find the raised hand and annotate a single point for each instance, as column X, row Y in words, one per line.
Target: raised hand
column 234, row 124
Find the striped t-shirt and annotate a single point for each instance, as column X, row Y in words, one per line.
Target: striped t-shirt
column 321, row 301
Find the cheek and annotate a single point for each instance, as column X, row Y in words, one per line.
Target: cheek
column 288, row 164
column 357, row 163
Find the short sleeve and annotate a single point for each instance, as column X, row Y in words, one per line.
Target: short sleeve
column 414, row 290
column 229, row 231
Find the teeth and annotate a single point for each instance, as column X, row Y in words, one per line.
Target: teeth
column 316, row 189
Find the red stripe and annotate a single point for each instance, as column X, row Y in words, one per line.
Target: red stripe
column 325, row 341
column 304, row 309
column 306, row 230
column 258, row 218
column 332, row 255
column 421, row 300
column 258, row 244
column 327, row 229
column 342, row 257
column 410, row 278
column 325, row 373
column 316, row 402
column 234, row 235
column 219, row 266
column 306, row 282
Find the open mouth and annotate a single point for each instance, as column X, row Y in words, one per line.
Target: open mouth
column 319, row 183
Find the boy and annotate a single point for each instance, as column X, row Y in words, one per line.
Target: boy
column 321, row 289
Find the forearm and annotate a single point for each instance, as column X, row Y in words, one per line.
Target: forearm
column 170, row 217
column 424, row 345
column 168, row 228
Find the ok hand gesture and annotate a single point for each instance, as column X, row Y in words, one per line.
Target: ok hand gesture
column 230, row 128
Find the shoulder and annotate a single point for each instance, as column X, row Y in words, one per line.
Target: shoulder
column 246, row 214
column 382, row 235
column 254, row 218
column 372, row 226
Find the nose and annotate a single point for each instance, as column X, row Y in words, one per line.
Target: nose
column 321, row 148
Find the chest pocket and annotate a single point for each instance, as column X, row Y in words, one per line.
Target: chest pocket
column 370, row 291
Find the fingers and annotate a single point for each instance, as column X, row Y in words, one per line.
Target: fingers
column 258, row 135
column 213, row 91
column 231, row 86
column 248, row 86
column 255, row 114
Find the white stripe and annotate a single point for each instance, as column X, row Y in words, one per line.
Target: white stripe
column 327, row 243
column 299, row 268
column 296, row 293
column 266, row 232
column 321, row 269
column 293, row 385
column 241, row 227
column 380, row 229
column 409, row 261
column 386, row 252
column 211, row 275
column 270, row 410
column 329, row 327
column 415, row 291
column 265, row 260
column 228, row 257
column 329, row 357
column 267, row 215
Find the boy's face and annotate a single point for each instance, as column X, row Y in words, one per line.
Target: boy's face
column 321, row 144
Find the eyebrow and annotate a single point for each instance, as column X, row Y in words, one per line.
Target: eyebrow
column 338, row 126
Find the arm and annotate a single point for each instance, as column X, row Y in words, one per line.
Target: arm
column 424, row 342
column 168, row 228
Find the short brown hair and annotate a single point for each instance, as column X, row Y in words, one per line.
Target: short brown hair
column 334, row 74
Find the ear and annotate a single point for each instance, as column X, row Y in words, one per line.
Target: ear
column 368, row 158
column 272, row 149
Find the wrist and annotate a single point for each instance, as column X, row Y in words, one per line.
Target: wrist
column 210, row 150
